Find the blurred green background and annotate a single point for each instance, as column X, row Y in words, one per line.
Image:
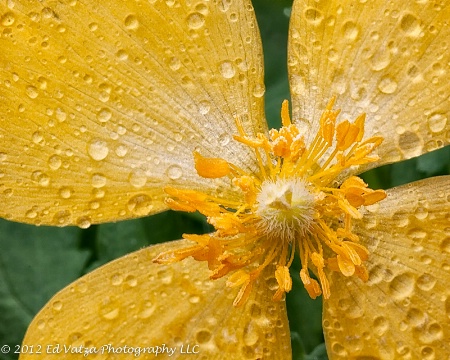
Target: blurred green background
column 36, row 262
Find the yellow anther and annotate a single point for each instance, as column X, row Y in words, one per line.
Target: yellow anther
column 284, row 281
column 311, row 285
column 285, row 117
column 211, row 167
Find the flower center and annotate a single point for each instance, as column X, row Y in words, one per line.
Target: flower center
column 290, row 205
column 285, row 208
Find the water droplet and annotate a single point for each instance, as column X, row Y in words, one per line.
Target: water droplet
column 313, row 16
column 121, row 150
column 350, row 31
column 131, row 280
column 98, row 149
column 203, row 336
column 98, row 180
column 147, row 311
column 93, row 26
column 110, row 314
column 37, row 137
column 402, row 286
column 227, row 70
column 410, row 25
column 122, row 55
column 426, row 282
column 174, row 63
column 60, row 114
column 251, row 335
column 165, row 276
column 131, row 22
column 259, row 90
column 380, row 60
column 7, row 19
column 381, row 325
column 387, row 85
column 65, row 192
column 224, row 139
column 194, row 299
column 195, row 20
column 104, row 115
column 62, row 217
column 54, row 162
column 41, row 178
column 32, row 92
column 57, row 305
column 410, row 144
column 140, row 204
column 31, row 214
column 137, row 178
column 437, row 122
column 83, row 222
column 204, row 107
column 174, row 172
column 445, row 246
column 116, row 279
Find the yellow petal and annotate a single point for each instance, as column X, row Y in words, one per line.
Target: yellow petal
column 386, row 59
column 134, row 302
column 102, row 105
column 403, row 310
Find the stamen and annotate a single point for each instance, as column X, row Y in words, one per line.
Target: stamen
column 289, row 204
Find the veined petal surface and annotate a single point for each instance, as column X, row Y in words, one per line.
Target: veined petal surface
column 388, row 59
column 403, row 311
column 103, row 104
column 137, row 303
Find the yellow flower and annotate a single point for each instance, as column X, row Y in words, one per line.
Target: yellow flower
column 122, row 110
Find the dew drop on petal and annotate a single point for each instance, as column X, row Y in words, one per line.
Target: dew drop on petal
column 174, row 172
column 37, row 137
column 387, row 85
column 116, row 279
column 98, row 180
column 83, row 222
column 121, row 150
column 227, row 70
column 7, row 19
column 62, row 217
column 60, row 114
column 32, row 92
column 137, row 178
column 259, row 90
column 313, row 16
column 410, row 25
column 98, row 149
column 104, row 115
column 140, row 204
column 195, row 20
column 350, row 31
column 437, row 122
column 57, row 305
column 65, row 192
column 410, row 144
column 204, row 107
column 131, row 281
column 131, row 22
column 402, row 286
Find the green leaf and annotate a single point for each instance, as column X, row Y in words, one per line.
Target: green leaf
column 319, row 353
column 35, row 263
column 305, row 314
column 434, row 163
column 117, row 239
